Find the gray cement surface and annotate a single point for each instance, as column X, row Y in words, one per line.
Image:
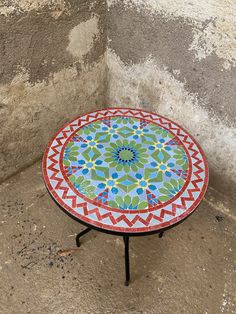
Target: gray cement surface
column 168, row 41
column 135, row 38
column 51, row 69
column 190, row 270
column 63, row 58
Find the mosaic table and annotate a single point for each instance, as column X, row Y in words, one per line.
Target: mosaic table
column 126, row 172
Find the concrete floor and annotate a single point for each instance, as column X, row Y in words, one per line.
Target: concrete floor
column 190, row 270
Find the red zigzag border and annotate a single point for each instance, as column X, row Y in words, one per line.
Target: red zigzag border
column 123, row 217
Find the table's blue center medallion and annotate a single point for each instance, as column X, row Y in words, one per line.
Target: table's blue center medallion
column 125, row 163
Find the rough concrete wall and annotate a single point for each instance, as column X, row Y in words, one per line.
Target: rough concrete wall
column 178, row 58
column 51, row 70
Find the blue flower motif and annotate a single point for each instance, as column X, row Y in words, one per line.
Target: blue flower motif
column 143, row 184
column 112, row 130
column 137, row 131
column 91, row 143
column 87, row 166
column 164, row 168
column 110, row 183
column 120, row 154
column 160, row 145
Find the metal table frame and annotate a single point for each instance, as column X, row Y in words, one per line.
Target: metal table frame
column 126, row 244
column 125, row 236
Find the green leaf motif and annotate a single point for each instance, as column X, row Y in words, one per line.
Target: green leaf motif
column 143, row 205
column 125, row 163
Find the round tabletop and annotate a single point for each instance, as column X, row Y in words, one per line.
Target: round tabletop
column 125, row 171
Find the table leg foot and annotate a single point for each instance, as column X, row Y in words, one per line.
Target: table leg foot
column 127, row 267
column 161, row 234
column 79, row 235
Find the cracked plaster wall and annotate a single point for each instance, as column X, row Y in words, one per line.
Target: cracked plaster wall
column 178, row 58
column 51, row 70
column 60, row 58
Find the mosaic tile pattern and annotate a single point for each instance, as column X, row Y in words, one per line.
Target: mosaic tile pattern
column 125, row 170
column 125, row 163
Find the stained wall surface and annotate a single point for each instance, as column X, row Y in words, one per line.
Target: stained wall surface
column 61, row 58
column 51, row 70
column 178, row 58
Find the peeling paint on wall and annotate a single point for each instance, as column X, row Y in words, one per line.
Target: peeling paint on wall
column 31, row 113
column 213, row 21
column 82, row 36
column 39, row 43
column 43, row 82
column 8, row 7
column 200, row 10
column 217, row 37
column 53, row 70
column 151, row 86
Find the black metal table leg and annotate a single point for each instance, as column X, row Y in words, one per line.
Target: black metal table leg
column 81, row 234
column 127, row 270
column 161, row 234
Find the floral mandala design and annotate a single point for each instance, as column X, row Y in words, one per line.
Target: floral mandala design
column 125, row 163
column 126, row 155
